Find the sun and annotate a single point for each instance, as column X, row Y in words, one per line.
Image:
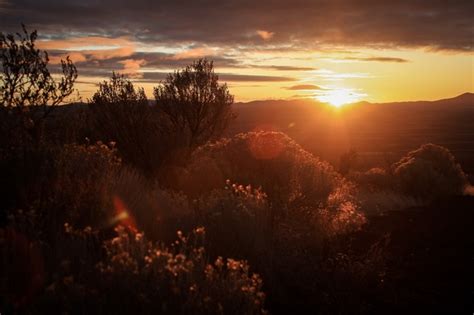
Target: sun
column 339, row 97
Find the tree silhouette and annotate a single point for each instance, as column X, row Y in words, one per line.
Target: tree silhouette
column 28, row 91
column 25, row 78
column 121, row 113
column 195, row 104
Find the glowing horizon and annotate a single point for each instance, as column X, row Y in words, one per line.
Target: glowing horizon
column 419, row 51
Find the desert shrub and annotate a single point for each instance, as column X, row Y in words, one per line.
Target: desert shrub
column 121, row 113
column 21, row 269
column 71, row 123
column 377, row 192
column 380, row 202
column 429, row 172
column 238, row 222
column 469, row 191
column 27, row 175
column 28, row 91
column 140, row 277
column 194, row 104
column 306, row 200
column 270, row 160
column 284, row 248
column 156, row 211
column 375, row 179
column 81, row 192
column 342, row 213
column 351, row 282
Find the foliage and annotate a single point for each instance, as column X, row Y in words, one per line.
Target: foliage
column 82, row 187
column 194, row 103
column 158, row 212
column 28, row 91
column 373, row 180
column 27, row 173
column 238, row 222
column 430, row 172
column 379, row 202
column 165, row 280
column 271, row 160
column 122, row 114
column 26, row 80
column 71, row 212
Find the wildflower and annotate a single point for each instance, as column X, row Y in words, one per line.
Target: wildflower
column 138, row 237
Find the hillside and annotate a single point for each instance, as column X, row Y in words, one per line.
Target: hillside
column 381, row 133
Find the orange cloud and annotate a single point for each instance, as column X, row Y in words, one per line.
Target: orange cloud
column 265, row 35
column 81, row 49
column 85, row 41
column 304, row 87
column 91, row 55
column 194, row 53
column 110, row 53
column 75, row 57
column 131, row 67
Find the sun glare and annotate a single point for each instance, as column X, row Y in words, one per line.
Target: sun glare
column 339, row 97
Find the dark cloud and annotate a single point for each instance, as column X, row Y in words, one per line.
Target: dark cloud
column 284, row 68
column 223, row 77
column 437, row 24
column 379, row 59
column 253, row 78
column 303, row 87
column 93, row 63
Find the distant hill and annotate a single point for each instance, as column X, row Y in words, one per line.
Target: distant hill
column 381, row 133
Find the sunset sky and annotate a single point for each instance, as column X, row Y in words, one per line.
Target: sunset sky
column 370, row 50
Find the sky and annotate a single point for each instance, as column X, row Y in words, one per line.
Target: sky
column 346, row 50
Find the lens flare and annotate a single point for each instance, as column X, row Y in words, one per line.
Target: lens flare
column 122, row 215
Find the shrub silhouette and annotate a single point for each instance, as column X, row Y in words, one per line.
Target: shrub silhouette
column 27, row 89
column 195, row 105
column 305, row 195
column 372, row 180
column 156, row 211
column 294, row 218
column 238, row 222
column 121, row 113
column 165, row 280
column 430, row 172
column 287, row 174
column 28, row 94
column 83, row 184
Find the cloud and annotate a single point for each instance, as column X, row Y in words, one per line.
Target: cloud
column 131, row 67
column 305, row 87
column 284, row 68
column 90, row 55
column 76, row 57
column 224, row 77
column 87, row 48
column 82, row 42
column 435, row 24
column 253, row 78
column 265, row 35
column 194, row 53
column 379, row 59
column 335, row 76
